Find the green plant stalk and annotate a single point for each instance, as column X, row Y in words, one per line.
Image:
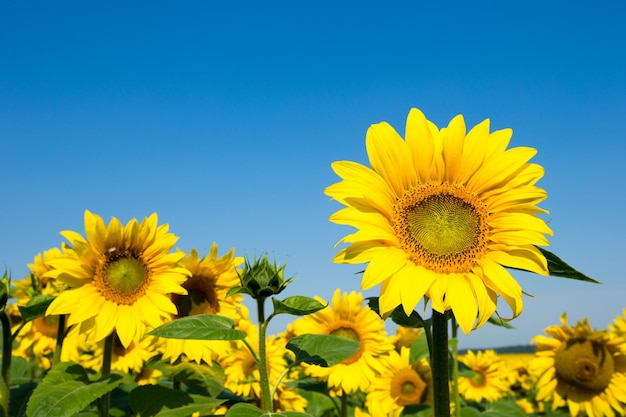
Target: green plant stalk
column 59, row 342
column 266, row 398
column 455, row 369
column 6, row 363
column 439, row 364
column 344, row 404
column 105, row 400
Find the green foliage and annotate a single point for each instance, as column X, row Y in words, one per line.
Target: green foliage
column 157, row 400
column 248, row 410
column 200, row 327
column 322, row 349
column 66, row 390
column 36, row 307
column 419, row 349
column 558, row 268
column 297, row 305
column 202, row 378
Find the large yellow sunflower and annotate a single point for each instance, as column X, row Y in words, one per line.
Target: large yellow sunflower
column 490, row 381
column 582, row 369
column 347, row 317
column 120, row 277
column 441, row 213
column 211, row 278
column 401, row 384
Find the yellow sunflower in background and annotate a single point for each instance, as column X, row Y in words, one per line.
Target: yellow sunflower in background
column 120, row 278
column 440, row 214
column 211, row 278
column 404, row 337
column 400, row 384
column 618, row 326
column 582, row 369
column 348, row 317
column 490, row 381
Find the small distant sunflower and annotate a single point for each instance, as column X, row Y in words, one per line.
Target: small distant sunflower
column 440, row 214
column 120, row 277
column 490, row 380
column 210, row 280
column 404, row 337
column 582, row 369
column 400, row 384
column 347, row 317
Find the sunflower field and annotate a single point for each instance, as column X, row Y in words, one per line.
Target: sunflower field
column 117, row 322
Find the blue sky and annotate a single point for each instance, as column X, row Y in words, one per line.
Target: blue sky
column 224, row 118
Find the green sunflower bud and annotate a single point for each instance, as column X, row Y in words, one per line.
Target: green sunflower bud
column 261, row 278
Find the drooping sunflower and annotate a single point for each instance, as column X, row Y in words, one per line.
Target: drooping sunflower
column 120, row 277
column 400, row 384
column 441, row 214
column 582, row 369
column 348, row 317
column 211, row 278
column 490, row 381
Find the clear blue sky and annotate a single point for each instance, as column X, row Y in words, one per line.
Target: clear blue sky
column 224, row 118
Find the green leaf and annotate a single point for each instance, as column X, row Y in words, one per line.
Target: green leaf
column 297, row 305
column 292, row 414
column 237, row 290
column 322, row 349
column 503, row 408
column 558, row 268
column 157, row 400
column 18, row 398
column 36, row 307
column 497, row 321
column 244, row 410
column 66, row 390
column 200, row 327
column 419, row 349
column 204, row 378
column 470, row 412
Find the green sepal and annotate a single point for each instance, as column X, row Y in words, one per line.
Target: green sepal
column 297, row 305
column 200, row 327
column 237, row 290
column 36, row 307
column 322, row 349
column 559, row 268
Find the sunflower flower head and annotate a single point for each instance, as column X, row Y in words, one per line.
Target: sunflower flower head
column 490, row 381
column 263, row 278
column 440, row 214
column 119, row 278
column 582, row 369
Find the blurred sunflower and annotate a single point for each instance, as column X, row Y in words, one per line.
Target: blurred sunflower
column 400, row 384
column 582, row 369
column 618, row 326
column 490, row 381
column 404, row 337
column 440, row 214
column 347, row 317
column 211, row 278
column 119, row 278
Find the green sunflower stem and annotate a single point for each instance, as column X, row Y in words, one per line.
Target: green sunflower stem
column 105, row 400
column 59, row 342
column 266, row 398
column 456, row 399
column 6, row 363
column 439, row 364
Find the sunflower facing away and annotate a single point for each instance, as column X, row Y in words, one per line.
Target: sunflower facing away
column 440, row 214
column 582, row 369
column 347, row 317
column 120, row 278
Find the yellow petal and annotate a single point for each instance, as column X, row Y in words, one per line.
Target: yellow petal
column 462, row 301
column 383, row 266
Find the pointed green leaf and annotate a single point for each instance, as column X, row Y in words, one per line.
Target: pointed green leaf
column 200, row 327
column 558, row 268
column 497, row 321
column 419, row 349
column 66, row 390
column 237, row 290
column 157, row 400
column 36, row 307
column 297, row 305
column 470, row 412
column 322, row 349
column 244, row 410
column 202, row 377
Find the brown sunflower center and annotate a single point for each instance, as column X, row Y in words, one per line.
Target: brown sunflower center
column 201, row 297
column 585, row 364
column 122, row 278
column 443, row 227
column 407, row 387
column 349, row 333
